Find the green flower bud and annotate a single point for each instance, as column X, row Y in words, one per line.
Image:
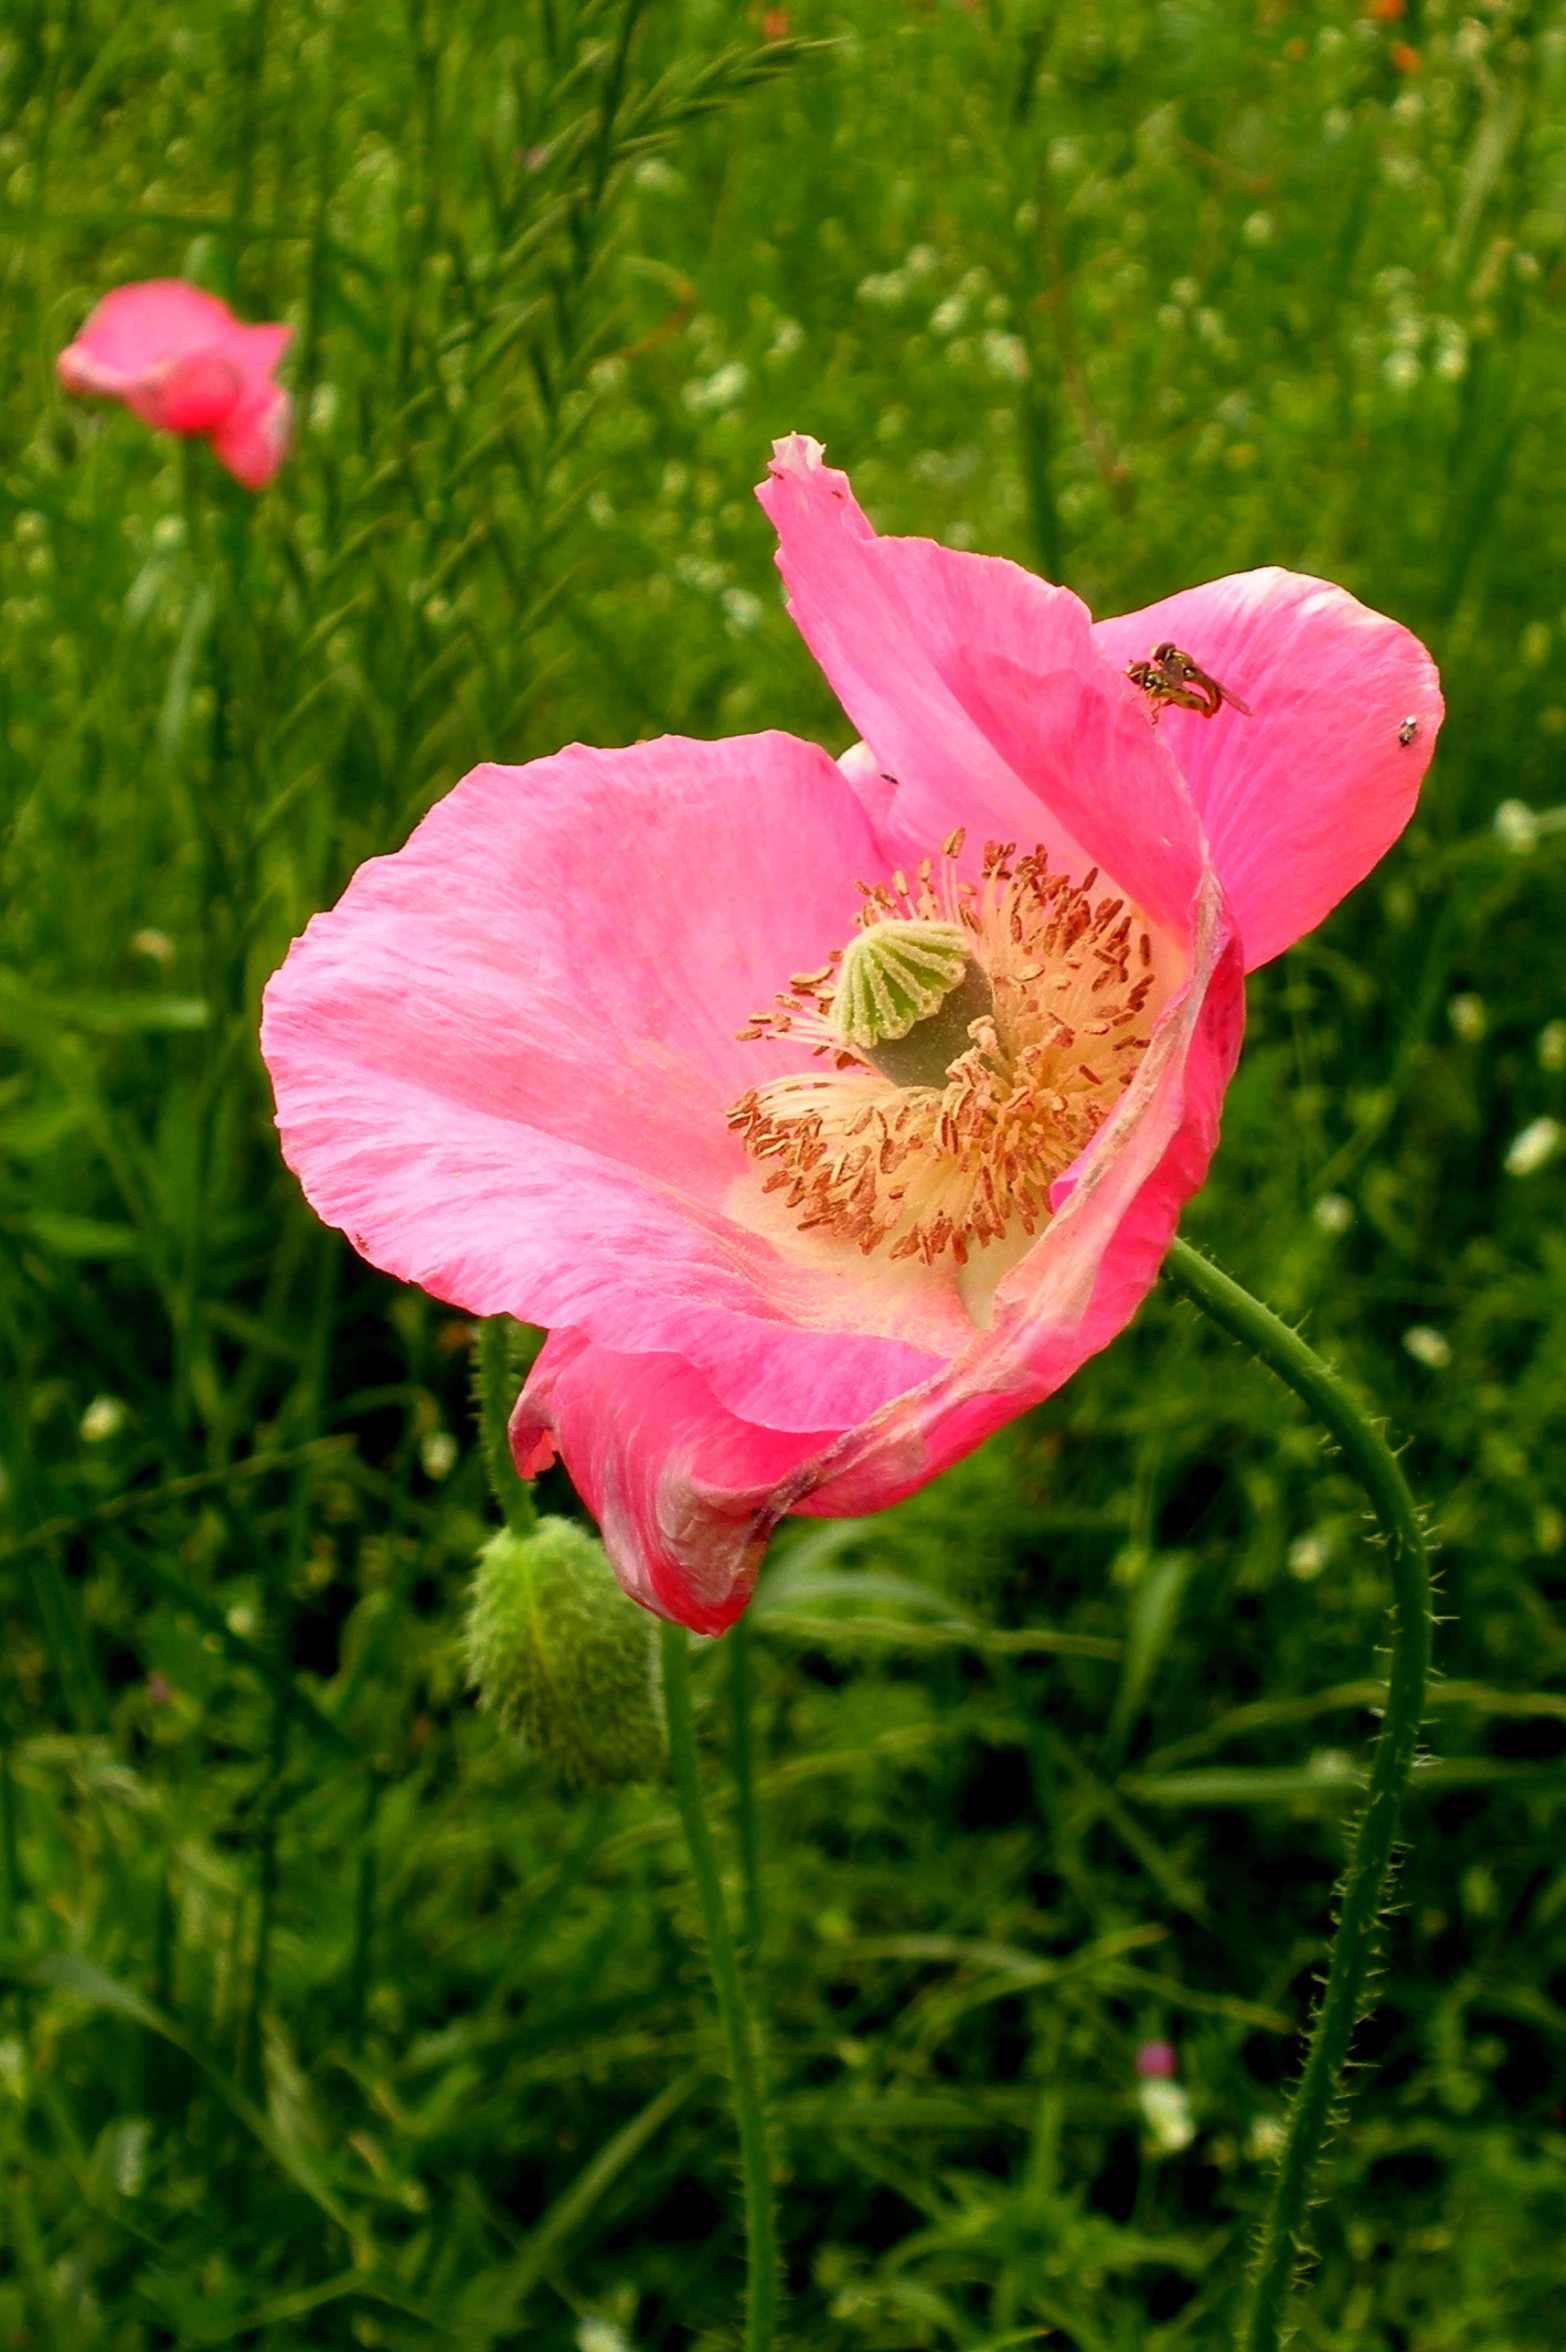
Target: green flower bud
column 562, row 1659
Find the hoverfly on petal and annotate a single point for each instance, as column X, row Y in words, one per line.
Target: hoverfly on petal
column 1170, row 676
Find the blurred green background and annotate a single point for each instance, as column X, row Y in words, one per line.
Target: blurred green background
column 327, row 2017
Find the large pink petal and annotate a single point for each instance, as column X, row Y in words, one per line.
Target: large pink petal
column 190, row 393
column 503, row 1063
column 1300, row 799
column 979, row 690
column 256, row 350
column 253, row 441
column 684, row 1492
column 137, row 328
column 687, row 1491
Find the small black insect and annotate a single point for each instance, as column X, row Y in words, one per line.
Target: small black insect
column 1407, row 731
column 1170, row 676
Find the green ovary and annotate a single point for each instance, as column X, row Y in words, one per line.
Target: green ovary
column 905, row 997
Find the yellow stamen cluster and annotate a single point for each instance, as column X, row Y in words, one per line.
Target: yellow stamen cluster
column 929, row 1170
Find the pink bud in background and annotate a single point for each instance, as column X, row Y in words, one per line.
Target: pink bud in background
column 1156, row 2062
column 182, row 362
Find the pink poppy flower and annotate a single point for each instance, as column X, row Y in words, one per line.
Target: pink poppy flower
column 832, row 1112
column 182, row 362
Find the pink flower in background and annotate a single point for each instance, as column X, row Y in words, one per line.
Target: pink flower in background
column 831, row 1113
column 182, row 362
column 1156, row 2062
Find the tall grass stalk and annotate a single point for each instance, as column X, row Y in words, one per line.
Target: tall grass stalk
column 734, row 2007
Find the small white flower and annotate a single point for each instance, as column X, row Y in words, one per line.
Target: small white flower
column 1166, row 2111
column 720, row 390
column 1466, row 1014
column 1428, row 1346
column 1552, row 1046
column 1516, row 827
column 1537, row 1143
column 1308, row 1555
column 128, row 2154
column 438, row 1454
column 13, row 2067
column 742, row 608
column 1006, row 356
column 1451, row 350
column 1333, row 1213
column 1264, row 2138
column 104, row 1418
column 601, row 2335
column 1258, row 228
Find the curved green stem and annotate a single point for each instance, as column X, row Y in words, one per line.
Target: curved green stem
column 1374, row 1464
column 737, row 1645
column 739, row 2031
column 496, row 1383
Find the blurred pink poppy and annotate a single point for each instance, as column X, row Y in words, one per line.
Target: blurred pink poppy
column 182, row 362
column 832, row 1112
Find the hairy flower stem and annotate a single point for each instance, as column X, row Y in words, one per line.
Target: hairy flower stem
column 739, row 2031
column 737, row 1646
column 1367, row 1453
column 495, row 1383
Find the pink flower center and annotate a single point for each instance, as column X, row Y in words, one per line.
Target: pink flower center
column 941, row 1134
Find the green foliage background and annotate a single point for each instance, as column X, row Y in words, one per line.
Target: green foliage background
column 327, row 2017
